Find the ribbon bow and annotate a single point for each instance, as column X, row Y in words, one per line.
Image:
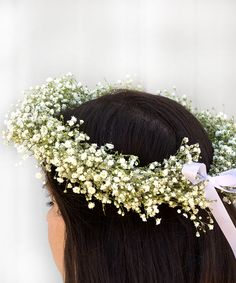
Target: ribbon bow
column 196, row 172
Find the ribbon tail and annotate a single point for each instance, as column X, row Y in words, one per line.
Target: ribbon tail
column 221, row 216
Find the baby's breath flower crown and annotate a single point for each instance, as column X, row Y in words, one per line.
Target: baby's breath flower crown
column 110, row 177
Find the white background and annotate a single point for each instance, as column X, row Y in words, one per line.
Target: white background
column 189, row 43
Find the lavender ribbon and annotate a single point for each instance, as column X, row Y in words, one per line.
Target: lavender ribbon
column 196, row 172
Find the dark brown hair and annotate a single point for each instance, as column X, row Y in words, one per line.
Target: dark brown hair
column 101, row 245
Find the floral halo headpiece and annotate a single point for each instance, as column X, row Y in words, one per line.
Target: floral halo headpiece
column 100, row 174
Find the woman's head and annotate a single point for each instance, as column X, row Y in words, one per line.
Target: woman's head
column 101, row 245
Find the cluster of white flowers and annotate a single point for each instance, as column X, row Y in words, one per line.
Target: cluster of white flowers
column 113, row 178
column 222, row 133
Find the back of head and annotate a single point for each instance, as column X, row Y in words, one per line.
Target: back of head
column 101, row 245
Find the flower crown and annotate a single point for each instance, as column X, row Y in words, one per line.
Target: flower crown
column 101, row 174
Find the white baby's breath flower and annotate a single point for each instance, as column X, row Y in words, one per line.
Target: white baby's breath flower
column 36, row 138
column 83, row 156
column 44, row 130
column 88, row 184
column 191, row 202
column 110, row 162
column 91, row 190
column 92, row 149
column 76, row 190
column 146, row 188
column 82, row 137
column 116, row 179
column 109, row 145
column 68, row 144
column 48, row 80
column 80, row 170
column 151, row 166
column 156, row 183
column 96, row 177
column 165, row 172
column 143, row 217
column 38, row 175
column 91, row 205
column 49, row 124
column 74, row 175
column 60, row 180
column 71, row 159
column 89, row 163
column 104, row 174
column 82, row 178
column 70, row 151
column 60, row 128
column 72, row 121
column 98, row 152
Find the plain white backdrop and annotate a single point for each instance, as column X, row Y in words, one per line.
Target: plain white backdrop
column 189, row 44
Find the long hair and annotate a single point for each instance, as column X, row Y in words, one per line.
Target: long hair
column 101, row 245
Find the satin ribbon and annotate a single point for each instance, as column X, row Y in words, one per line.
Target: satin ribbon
column 196, row 172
